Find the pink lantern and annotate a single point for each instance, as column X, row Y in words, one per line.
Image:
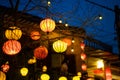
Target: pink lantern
column 41, row 52
column 5, row 67
column 84, row 67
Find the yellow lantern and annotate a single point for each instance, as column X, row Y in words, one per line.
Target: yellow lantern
column 24, row 71
column 45, row 77
column 76, row 78
column 62, row 78
column 59, row 46
column 13, row 33
column 2, row 76
column 47, row 25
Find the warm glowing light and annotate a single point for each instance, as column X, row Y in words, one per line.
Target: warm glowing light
column 100, row 17
column 76, row 78
column 13, row 33
column 45, row 77
column 2, row 76
column 62, row 78
column 59, row 46
column 47, row 25
column 60, row 21
column 100, row 64
column 24, row 71
column 82, row 45
column 32, row 60
column 79, row 74
column 66, row 25
column 83, row 56
column 35, row 35
column 108, row 73
column 44, row 68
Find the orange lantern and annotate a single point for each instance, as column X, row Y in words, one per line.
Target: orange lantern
column 83, row 56
column 35, row 35
column 11, row 47
column 84, row 67
column 41, row 52
column 2, row 76
column 82, row 45
column 13, row 33
column 47, row 25
column 5, row 67
column 108, row 73
column 67, row 40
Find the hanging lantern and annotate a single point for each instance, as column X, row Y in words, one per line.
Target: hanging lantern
column 13, row 33
column 5, row 67
column 68, row 41
column 2, row 76
column 11, row 47
column 35, row 35
column 108, row 73
column 44, row 68
column 41, row 52
column 82, row 45
column 62, row 78
column 59, row 46
column 45, row 77
column 47, row 25
column 76, row 78
column 84, row 67
column 32, row 60
column 83, row 56
column 24, row 71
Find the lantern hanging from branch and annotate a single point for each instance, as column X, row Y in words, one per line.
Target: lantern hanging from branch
column 82, row 45
column 11, row 47
column 59, row 46
column 45, row 77
column 47, row 25
column 62, row 78
column 41, row 52
column 24, row 71
column 83, row 56
column 68, row 41
column 35, row 35
column 5, row 67
column 84, row 67
column 13, row 33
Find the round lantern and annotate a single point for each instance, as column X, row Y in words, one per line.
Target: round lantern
column 83, row 56
column 82, row 45
column 47, row 25
column 35, row 35
column 59, row 46
column 5, row 67
column 45, row 77
column 13, row 33
column 67, row 40
column 2, row 76
column 76, row 78
column 24, row 71
column 11, row 47
column 62, row 78
column 84, row 67
column 41, row 52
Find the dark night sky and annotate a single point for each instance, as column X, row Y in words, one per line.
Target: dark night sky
column 75, row 12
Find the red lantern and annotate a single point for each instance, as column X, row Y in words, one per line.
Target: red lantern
column 108, row 73
column 47, row 25
column 35, row 35
column 67, row 40
column 41, row 52
column 83, row 56
column 5, row 67
column 11, row 47
column 98, row 71
column 82, row 45
column 84, row 67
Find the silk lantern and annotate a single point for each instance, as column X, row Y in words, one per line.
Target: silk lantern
column 84, row 67
column 47, row 25
column 41, row 52
column 83, row 56
column 2, row 76
column 11, row 47
column 59, row 46
column 5, row 67
column 35, row 35
column 13, row 33
column 62, row 78
column 24, row 71
column 82, row 45
column 45, row 77
column 108, row 74
column 68, row 41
